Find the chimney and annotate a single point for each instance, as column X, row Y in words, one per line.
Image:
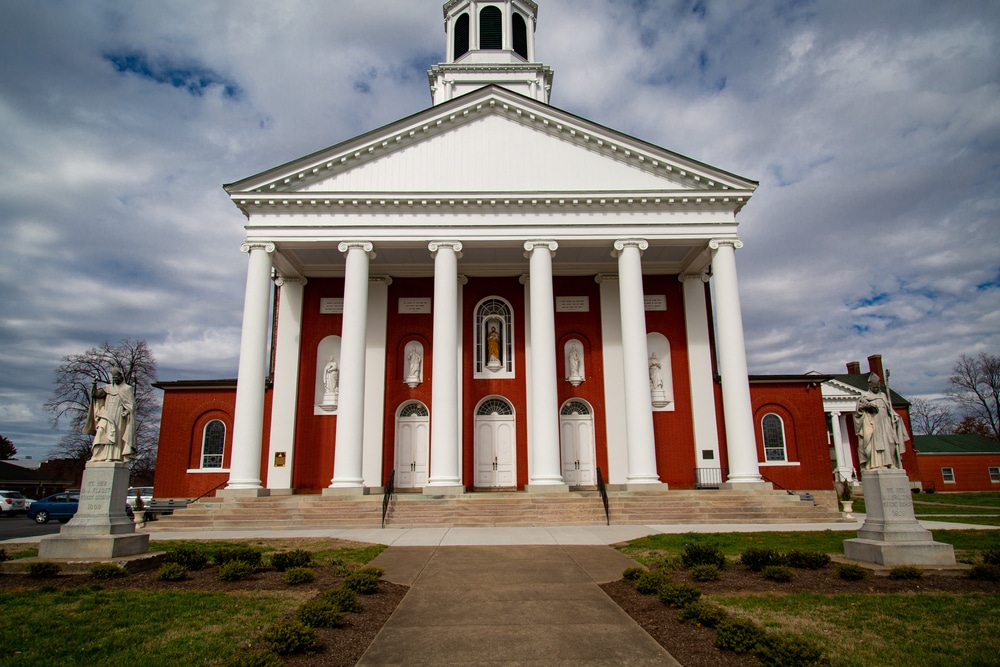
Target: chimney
column 875, row 366
column 854, row 367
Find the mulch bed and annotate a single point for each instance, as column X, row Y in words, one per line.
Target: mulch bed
column 692, row 646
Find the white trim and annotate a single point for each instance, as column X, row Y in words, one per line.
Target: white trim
column 781, row 464
column 207, row 470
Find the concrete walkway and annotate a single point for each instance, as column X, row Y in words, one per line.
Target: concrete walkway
column 503, row 605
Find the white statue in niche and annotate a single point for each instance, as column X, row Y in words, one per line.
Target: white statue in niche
column 331, row 382
column 658, row 396
column 413, row 361
column 574, row 373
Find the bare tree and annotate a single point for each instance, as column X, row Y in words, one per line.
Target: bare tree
column 929, row 418
column 71, row 397
column 7, row 449
column 975, row 385
column 973, row 426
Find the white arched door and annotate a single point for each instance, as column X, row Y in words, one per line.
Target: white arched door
column 412, row 437
column 576, row 429
column 495, row 444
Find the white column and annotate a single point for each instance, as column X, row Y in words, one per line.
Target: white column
column 248, row 421
column 737, row 410
column 706, row 429
column 638, row 408
column 546, row 468
column 378, row 313
column 445, row 475
column 349, row 448
column 286, row 383
column 614, row 379
column 845, row 463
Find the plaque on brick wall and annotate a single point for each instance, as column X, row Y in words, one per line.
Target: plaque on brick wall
column 414, row 306
column 656, row 302
column 331, row 306
column 572, row 304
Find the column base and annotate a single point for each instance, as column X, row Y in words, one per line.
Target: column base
column 444, row 490
column 546, row 488
column 344, row 491
column 281, row 492
column 242, row 493
column 746, row 486
column 644, row 486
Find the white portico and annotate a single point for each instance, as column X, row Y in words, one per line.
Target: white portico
column 506, row 273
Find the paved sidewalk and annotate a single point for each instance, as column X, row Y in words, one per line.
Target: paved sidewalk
column 503, row 605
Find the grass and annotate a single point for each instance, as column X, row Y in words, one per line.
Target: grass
column 862, row 630
column 345, row 552
column 984, row 507
column 89, row 626
column 980, row 499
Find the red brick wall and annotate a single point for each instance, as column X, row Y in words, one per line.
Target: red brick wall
column 971, row 471
column 800, row 406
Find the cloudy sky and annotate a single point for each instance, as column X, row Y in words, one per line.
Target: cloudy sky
column 873, row 128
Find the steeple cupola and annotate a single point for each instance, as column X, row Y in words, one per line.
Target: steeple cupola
column 490, row 42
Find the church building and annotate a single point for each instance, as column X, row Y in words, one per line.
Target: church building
column 492, row 293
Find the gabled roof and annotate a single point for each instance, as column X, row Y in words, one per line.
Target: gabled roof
column 955, row 444
column 860, row 381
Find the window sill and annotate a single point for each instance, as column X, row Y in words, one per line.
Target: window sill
column 780, row 464
column 207, row 470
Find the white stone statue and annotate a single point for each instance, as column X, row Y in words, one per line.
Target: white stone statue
column 111, row 419
column 574, row 361
column 331, row 376
column 880, row 430
column 413, row 361
column 655, row 374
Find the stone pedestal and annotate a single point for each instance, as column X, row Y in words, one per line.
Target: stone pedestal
column 101, row 528
column 891, row 534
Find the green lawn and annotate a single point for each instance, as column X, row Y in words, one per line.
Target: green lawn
column 984, row 507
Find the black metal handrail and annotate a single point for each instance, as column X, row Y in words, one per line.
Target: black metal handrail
column 603, row 490
column 390, row 488
column 225, row 481
column 768, row 479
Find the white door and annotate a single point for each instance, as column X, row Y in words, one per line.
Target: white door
column 495, row 445
column 576, row 426
column 412, row 436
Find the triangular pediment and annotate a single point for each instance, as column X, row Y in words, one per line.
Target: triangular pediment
column 493, row 140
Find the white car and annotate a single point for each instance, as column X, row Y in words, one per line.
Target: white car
column 144, row 492
column 12, row 503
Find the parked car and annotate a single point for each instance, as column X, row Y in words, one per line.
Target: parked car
column 28, row 501
column 60, row 506
column 144, row 492
column 12, row 503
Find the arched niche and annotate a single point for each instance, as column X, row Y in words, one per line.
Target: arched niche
column 327, row 384
column 661, row 377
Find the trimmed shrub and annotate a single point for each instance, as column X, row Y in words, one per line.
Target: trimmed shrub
column 318, row 613
column 3, row 555
column 740, row 635
column 632, row 574
column 289, row 637
column 756, row 559
column 343, row 599
column 243, row 554
column 43, row 569
column 985, row 572
column 299, row 575
column 107, row 571
column 703, row 554
column 807, row 560
column 289, row 559
column 362, row 581
column 235, row 570
column 667, row 563
column 649, row 582
column 702, row 613
column 254, row 659
column 991, row 556
column 172, row 572
column 779, row 573
column 706, row 573
column 789, row 650
column 905, row 572
column 678, row 595
column 851, row 572
column 190, row 558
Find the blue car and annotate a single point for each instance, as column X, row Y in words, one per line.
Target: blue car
column 61, row 506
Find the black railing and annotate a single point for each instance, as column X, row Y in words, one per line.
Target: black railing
column 390, row 488
column 225, row 481
column 768, row 479
column 603, row 490
column 709, row 478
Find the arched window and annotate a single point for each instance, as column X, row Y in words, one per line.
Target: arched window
column 494, row 328
column 520, row 36
column 413, row 410
column 774, row 438
column 461, row 36
column 490, row 28
column 213, row 444
column 575, row 408
column 495, row 406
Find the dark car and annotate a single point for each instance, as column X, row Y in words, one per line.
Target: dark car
column 61, row 506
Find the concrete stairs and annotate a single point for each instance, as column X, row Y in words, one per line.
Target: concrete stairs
column 498, row 509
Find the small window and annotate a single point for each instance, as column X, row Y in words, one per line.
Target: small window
column 520, row 36
column 461, row 36
column 491, row 28
column 414, row 410
column 948, row 475
column 495, row 406
column 995, row 475
column 213, row 444
column 575, row 408
column 774, row 438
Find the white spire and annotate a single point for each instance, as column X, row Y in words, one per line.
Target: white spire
column 490, row 42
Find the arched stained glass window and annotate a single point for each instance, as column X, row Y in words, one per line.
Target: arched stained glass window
column 461, row 36
column 213, row 444
column 413, row 410
column 575, row 408
column 491, row 28
column 520, row 36
column 774, row 438
column 495, row 406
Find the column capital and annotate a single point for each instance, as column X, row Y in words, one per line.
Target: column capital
column 524, row 278
column 266, row 246
column 386, row 280
column 367, row 246
column 434, row 246
column 835, row 414
column 701, row 277
column 621, row 244
column 606, row 278
column 715, row 244
column 281, row 280
column 531, row 245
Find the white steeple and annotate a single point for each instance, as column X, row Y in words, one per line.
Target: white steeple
column 490, row 42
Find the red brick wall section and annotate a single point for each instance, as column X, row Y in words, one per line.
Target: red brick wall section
column 800, row 406
column 972, row 471
column 185, row 413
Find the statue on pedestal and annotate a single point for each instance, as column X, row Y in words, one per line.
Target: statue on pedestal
column 575, row 372
column 880, row 430
column 493, row 350
column 111, row 419
column 413, row 361
column 331, row 384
